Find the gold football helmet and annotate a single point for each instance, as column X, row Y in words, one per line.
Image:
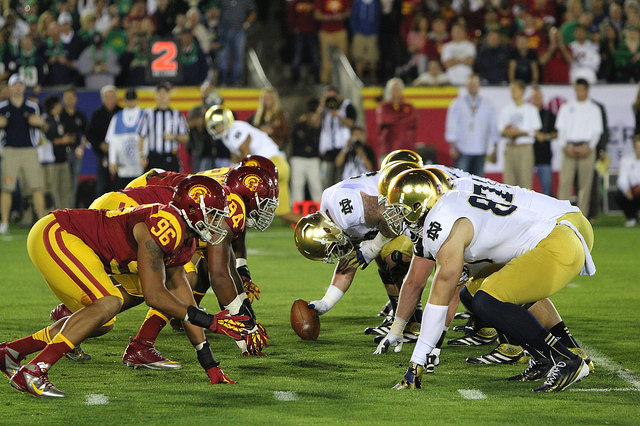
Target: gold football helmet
column 411, row 195
column 445, row 179
column 402, row 155
column 318, row 238
column 390, row 171
column 218, row 120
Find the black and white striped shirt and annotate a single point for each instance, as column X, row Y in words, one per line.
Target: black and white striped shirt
column 155, row 123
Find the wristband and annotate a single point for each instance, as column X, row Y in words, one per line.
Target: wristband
column 198, row 317
column 206, row 358
column 397, row 327
column 243, row 271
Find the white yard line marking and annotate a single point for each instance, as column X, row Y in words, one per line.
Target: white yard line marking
column 285, row 395
column 97, row 399
column 604, row 390
column 472, row 394
column 602, row 361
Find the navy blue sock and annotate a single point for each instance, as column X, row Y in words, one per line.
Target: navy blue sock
column 519, row 323
column 561, row 331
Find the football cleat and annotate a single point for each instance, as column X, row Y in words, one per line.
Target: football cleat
column 412, row 378
column 411, row 332
column 583, row 354
column 59, row 312
column 462, row 316
column 141, row 355
column 484, row 336
column 564, row 374
column 34, row 379
column 536, row 370
column 78, row 355
column 386, row 310
column 432, row 362
column 503, row 354
column 382, row 329
column 9, row 360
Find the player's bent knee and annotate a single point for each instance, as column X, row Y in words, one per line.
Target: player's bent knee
column 466, row 298
column 485, row 306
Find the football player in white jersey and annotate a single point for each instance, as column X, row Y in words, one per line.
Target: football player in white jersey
column 349, row 229
column 540, row 256
column 243, row 139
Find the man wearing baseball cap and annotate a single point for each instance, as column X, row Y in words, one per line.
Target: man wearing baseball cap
column 21, row 121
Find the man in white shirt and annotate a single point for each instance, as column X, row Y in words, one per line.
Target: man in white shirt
column 471, row 129
column 629, row 184
column 125, row 154
column 579, row 125
column 518, row 123
column 585, row 56
column 458, row 56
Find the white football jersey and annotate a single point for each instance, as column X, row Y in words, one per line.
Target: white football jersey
column 343, row 203
column 261, row 143
column 451, row 171
column 548, row 207
column 501, row 231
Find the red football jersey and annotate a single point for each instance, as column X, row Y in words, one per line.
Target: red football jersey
column 150, row 194
column 109, row 233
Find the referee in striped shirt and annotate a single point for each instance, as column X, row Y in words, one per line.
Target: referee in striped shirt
column 161, row 129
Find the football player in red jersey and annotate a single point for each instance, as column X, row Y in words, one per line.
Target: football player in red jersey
column 76, row 250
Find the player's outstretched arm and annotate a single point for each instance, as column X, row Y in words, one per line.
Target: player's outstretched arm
column 340, row 283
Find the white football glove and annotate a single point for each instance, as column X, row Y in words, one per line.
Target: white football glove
column 390, row 340
column 370, row 249
column 320, row 306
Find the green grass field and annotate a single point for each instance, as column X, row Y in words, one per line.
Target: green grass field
column 335, row 379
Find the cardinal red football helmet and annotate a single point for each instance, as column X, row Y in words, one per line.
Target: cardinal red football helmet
column 202, row 202
column 259, row 191
column 262, row 162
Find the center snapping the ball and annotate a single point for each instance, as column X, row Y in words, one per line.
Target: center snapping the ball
column 304, row 321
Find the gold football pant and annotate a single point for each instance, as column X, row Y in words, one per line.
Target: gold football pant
column 73, row 271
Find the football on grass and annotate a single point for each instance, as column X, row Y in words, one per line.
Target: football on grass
column 304, row 321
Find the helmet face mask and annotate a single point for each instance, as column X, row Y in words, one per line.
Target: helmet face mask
column 218, row 121
column 259, row 191
column 202, row 203
column 412, row 194
column 318, row 238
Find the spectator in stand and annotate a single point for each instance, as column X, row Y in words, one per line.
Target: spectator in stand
column 585, row 57
column 519, row 124
column 567, row 29
column 615, row 18
column 332, row 16
column 134, row 61
column 365, row 25
column 212, row 21
column 305, row 158
column 98, row 64
column 195, row 63
column 531, row 27
column 357, row 157
column 598, row 11
column 336, row 116
column 435, row 76
column 87, row 27
column 493, row 60
column 609, row 41
column 6, row 56
column 471, row 129
column 161, row 130
column 199, row 31
column 103, row 17
column 96, row 131
column 14, row 27
column 629, row 184
column 73, row 43
column 21, row 121
column 29, row 63
column 60, row 184
column 44, row 20
column 437, row 38
column 542, row 145
column 116, row 37
column 125, row 157
column 523, row 62
column 416, row 47
column 458, row 56
column 201, row 144
column 627, row 56
column 61, row 69
column 271, row 118
column 75, row 123
column 305, row 39
column 390, row 42
column 632, row 13
column 555, row 60
column 579, row 125
column 236, row 16
column 396, row 120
